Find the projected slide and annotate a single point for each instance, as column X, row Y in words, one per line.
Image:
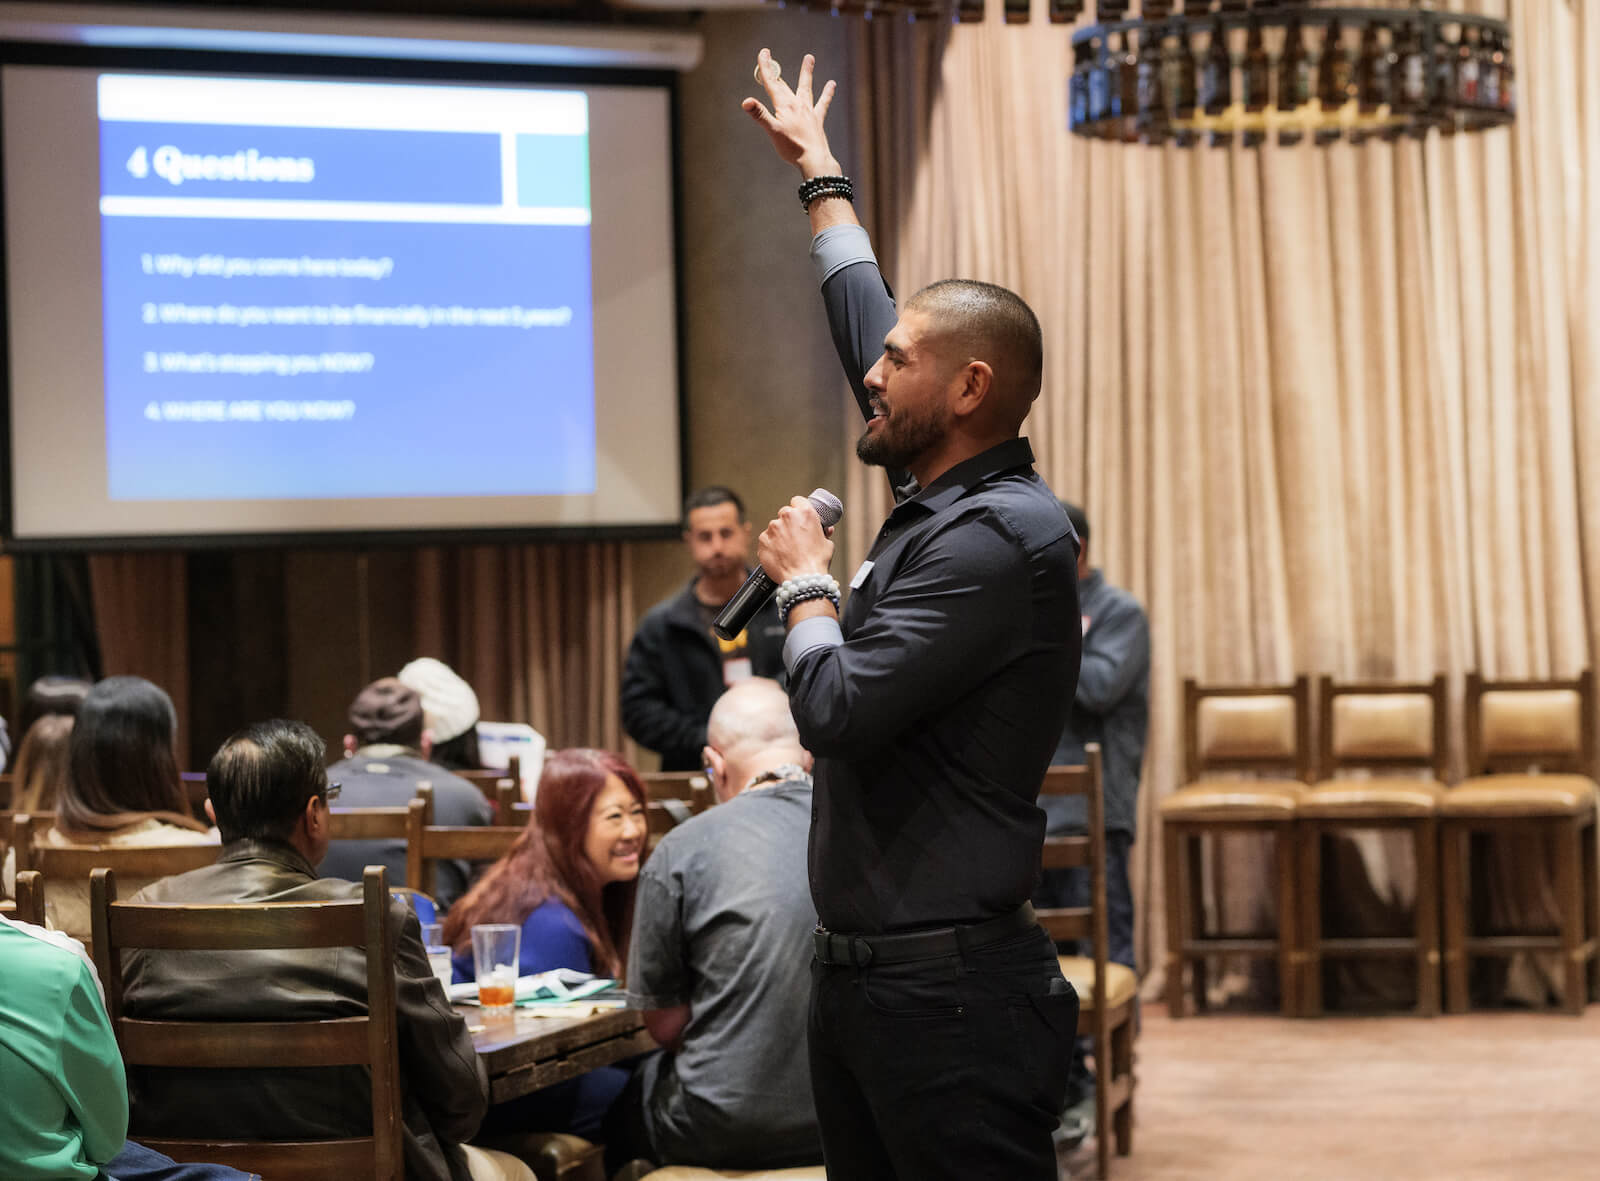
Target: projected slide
column 345, row 290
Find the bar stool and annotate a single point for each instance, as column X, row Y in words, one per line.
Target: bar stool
column 1379, row 728
column 1232, row 732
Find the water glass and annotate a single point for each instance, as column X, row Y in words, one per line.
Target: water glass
column 496, row 948
column 439, row 955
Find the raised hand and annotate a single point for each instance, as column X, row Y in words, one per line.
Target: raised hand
column 795, row 121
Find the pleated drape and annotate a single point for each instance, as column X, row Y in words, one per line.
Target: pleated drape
column 1329, row 409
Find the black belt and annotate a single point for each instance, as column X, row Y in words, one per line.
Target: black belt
column 857, row 951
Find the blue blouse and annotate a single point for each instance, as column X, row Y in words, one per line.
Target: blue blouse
column 552, row 937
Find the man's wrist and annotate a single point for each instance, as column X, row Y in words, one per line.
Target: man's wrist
column 822, row 164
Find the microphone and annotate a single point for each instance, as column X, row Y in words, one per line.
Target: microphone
column 737, row 613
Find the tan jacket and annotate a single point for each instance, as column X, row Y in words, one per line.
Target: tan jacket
column 443, row 1084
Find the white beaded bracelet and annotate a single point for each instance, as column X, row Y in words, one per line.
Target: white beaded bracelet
column 805, row 587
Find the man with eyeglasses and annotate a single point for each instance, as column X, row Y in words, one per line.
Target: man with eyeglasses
column 269, row 796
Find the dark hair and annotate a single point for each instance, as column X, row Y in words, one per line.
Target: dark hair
column 460, row 753
column 42, row 766
column 1080, row 521
column 123, row 770
column 261, row 777
column 709, row 497
column 49, row 696
column 989, row 323
column 548, row 860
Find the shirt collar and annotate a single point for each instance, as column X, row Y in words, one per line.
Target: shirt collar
column 386, row 750
column 966, row 475
column 783, row 773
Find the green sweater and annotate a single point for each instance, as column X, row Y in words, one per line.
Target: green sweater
column 63, row 1095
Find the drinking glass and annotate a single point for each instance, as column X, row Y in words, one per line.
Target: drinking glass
column 439, row 955
column 495, row 951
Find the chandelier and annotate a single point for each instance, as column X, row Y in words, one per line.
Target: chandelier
column 1245, row 72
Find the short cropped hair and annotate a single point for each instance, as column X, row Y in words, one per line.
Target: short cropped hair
column 1079, row 519
column 709, row 497
column 988, row 323
column 260, row 779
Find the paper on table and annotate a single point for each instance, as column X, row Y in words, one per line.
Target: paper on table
column 557, row 986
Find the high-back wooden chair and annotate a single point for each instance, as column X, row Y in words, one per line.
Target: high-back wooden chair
column 1531, row 769
column 1106, row 991
column 377, row 824
column 369, row 1041
column 28, row 905
column 1399, row 734
column 427, row 843
column 1247, row 757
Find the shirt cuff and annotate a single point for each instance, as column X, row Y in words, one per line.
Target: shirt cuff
column 838, row 247
column 820, row 631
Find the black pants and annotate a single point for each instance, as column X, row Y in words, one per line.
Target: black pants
column 953, row 1067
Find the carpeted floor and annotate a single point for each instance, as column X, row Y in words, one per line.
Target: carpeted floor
column 1512, row 1096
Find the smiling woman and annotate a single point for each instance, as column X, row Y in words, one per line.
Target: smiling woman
column 569, row 880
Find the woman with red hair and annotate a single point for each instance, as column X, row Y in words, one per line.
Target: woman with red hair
column 569, row 880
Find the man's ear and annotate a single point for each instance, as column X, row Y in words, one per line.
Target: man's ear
column 350, row 746
column 716, row 769
column 314, row 819
column 976, row 382
column 211, row 813
column 807, row 761
column 425, row 745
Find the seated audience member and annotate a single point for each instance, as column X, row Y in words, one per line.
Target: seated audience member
column 720, row 959
column 569, row 879
column 52, row 695
column 43, row 763
column 268, row 794
column 122, row 789
column 449, row 712
column 65, row 1113
column 569, row 883
column 387, row 752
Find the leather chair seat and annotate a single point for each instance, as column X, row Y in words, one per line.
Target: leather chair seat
column 1340, row 799
column 695, row 1173
column 1121, row 983
column 1520, row 795
column 1235, row 799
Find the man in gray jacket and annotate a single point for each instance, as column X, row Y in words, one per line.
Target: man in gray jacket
column 269, row 795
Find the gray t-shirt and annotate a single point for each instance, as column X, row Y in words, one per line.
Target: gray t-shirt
column 723, row 923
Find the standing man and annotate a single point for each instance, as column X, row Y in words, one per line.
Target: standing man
column 940, row 1028
column 677, row 667
column 1112, row 707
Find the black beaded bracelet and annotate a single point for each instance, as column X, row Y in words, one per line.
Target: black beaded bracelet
column 825, row 186
column 804, row 596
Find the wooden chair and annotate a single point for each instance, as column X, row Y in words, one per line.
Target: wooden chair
column 426, row 843
column 369, row 1041
column 1379, row 728
column 28, row 905
column 1106, row 991
column 1231, row 733
column 377, row 824
column 692, row 787
column 7, row 786
column 1531, row 767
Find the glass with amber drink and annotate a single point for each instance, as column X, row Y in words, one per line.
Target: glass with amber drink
column 496, row 948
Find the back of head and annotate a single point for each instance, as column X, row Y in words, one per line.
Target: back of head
column 975, row 321
column 261, row 778
column 43, row 763
column 387, row 711
column 122, row 765
column 450, row 710
column 50, row 696
column 753, row 716
column 1079, row 519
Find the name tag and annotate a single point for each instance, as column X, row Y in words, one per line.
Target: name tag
column 861, row 575
column 736, row 670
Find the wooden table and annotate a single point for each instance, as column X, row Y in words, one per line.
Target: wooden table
column 536, row 1048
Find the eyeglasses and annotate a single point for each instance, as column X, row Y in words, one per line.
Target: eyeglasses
column 331, row 794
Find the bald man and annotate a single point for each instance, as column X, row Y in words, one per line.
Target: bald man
column 940, row 1026
column 718, row 961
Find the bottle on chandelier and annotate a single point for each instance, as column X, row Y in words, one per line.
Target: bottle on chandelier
column 1125, row 93
column 1442, row 93
column 1294, row 80
column 1216, row 72
column 1467, row 61
column 1372, row 71
column 1179, row 86
column 1152, row 119
column 1099, row 83
column 1078, row 85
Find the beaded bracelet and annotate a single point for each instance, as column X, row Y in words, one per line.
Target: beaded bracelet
column 803, row 588
column 825, row 186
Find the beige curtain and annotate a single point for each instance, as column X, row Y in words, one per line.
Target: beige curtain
column 1329, row 409
column 540, row 631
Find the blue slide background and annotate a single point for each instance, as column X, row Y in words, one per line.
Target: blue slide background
column 445, row 411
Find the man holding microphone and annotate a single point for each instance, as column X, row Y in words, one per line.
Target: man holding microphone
column 940, row 1028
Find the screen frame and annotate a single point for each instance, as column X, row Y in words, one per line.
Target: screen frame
column 31, row 53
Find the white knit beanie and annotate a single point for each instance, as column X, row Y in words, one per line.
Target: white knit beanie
column 449, row 706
